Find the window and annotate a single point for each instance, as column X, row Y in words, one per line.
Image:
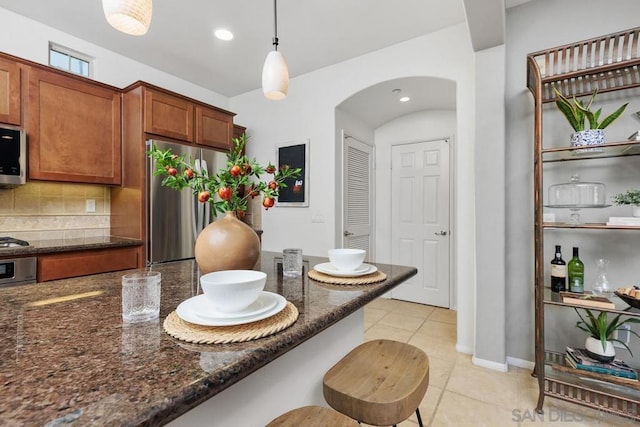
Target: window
column 70, row 60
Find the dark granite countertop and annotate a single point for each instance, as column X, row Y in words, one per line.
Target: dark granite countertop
column 67, row 245
column 66, row 354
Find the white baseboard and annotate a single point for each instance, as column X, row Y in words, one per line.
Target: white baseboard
column 520, row 363
column 463, row 349
column 502, row 367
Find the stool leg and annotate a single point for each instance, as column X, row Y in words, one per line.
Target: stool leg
column 419, row 417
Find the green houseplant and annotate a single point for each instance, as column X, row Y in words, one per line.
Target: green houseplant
column 629, row 197
column 579, row 114
column 599, row 343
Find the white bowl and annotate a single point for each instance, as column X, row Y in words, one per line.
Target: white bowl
column 232, row 290
column 346, row 259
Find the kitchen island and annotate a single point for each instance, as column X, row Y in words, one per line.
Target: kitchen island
column 67, row 357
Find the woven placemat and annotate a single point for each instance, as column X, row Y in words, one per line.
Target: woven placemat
column 198, row 334
column 378, row 276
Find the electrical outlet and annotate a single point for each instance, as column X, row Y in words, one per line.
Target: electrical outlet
column 90, row 205
column 623, row 335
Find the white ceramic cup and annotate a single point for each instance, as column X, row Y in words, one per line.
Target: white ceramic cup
column 141, row 296
column 347, row 259
column 229, row 291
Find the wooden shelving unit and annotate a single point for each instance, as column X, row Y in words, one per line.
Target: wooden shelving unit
column 608, row 63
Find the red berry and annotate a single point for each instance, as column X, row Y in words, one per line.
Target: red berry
column 188, row 174
column 235, row 170
column 268, row 202
column 273, row 185
column 172, row 171
column 203, row 196
column 270, row 169
column 224, row 193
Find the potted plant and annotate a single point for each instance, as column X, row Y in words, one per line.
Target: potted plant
column 225, row 244
column 599, row 343
column 578, row 114
column 629, row 197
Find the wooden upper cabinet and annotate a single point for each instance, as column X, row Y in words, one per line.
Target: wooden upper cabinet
column 213, row 128
column 167, row 115
column 10, row 80
column 73, row 128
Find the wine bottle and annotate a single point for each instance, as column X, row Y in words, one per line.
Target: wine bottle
column 558, row 272
column 575, row 269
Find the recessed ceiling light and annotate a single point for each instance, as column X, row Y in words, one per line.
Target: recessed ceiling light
column 223, row 34
column 405, row 99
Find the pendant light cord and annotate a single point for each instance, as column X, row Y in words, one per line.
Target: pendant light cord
column 275, row 24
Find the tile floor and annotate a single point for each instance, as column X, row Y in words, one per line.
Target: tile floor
column 460, row 393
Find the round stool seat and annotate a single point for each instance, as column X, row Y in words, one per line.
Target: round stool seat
column 380, row 382
column 312, row 416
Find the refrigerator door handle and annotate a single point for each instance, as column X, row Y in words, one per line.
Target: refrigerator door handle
column 195, row 211
column 207, row 209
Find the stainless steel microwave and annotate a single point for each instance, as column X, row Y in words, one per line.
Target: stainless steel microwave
column 13, row 156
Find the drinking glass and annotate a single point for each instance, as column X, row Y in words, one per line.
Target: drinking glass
column 141, row 296
column 292, row 262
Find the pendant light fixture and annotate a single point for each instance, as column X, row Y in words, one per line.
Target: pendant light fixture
column 129, row 16
column 275, row 73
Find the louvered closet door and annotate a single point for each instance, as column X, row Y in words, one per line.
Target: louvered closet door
column 358, row 197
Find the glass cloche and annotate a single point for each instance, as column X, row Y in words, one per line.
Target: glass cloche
column 576, row 195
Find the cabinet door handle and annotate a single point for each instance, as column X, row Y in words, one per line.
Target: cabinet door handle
column 348, row 233
column 440, row 233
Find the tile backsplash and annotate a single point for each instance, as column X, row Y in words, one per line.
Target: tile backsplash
column 53, row 210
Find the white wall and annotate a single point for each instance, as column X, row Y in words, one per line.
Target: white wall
column 308, row 112
column 531, row 27
column 28, row 39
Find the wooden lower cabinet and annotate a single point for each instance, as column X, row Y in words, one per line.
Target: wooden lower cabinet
column 82, row 263
column 73, row 128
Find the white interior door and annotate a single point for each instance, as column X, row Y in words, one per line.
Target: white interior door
column 358, row 197
column 420, row 220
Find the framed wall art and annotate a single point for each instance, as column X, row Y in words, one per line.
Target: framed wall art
column 296, row 155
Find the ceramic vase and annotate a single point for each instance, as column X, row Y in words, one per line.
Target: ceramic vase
column 587, row 138
column 595, row 350
column 227, row 244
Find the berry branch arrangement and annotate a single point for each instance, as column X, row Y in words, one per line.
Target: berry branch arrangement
column 229, row 189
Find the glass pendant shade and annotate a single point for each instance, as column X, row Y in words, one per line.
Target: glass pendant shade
column 275, row 76
column 129, row 16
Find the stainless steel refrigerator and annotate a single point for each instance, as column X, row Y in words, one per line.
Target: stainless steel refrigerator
column 174, row 218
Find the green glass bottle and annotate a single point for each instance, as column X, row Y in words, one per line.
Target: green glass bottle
column 575, row 269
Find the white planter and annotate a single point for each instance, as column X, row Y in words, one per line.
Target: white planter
column 586, row 138
column 595, row 350
column 635, row 211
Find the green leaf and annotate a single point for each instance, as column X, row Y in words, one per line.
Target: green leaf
column 612, row 117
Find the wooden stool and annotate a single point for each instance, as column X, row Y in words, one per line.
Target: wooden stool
column 380, row 382
column 312, row 416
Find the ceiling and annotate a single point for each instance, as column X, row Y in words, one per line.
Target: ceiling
column 313, row 34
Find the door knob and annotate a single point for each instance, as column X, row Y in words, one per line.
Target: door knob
column 440, row 233
column 348, row 233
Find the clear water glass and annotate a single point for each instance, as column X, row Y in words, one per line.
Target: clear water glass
column 292, row 262
column 602, row 282
column 141, row 296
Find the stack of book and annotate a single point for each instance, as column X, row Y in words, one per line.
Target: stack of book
column 587, row 299
column 624, row 220
column 579, row 359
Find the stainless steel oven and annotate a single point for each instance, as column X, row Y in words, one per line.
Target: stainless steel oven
column 17, row 271
column 13, row 156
